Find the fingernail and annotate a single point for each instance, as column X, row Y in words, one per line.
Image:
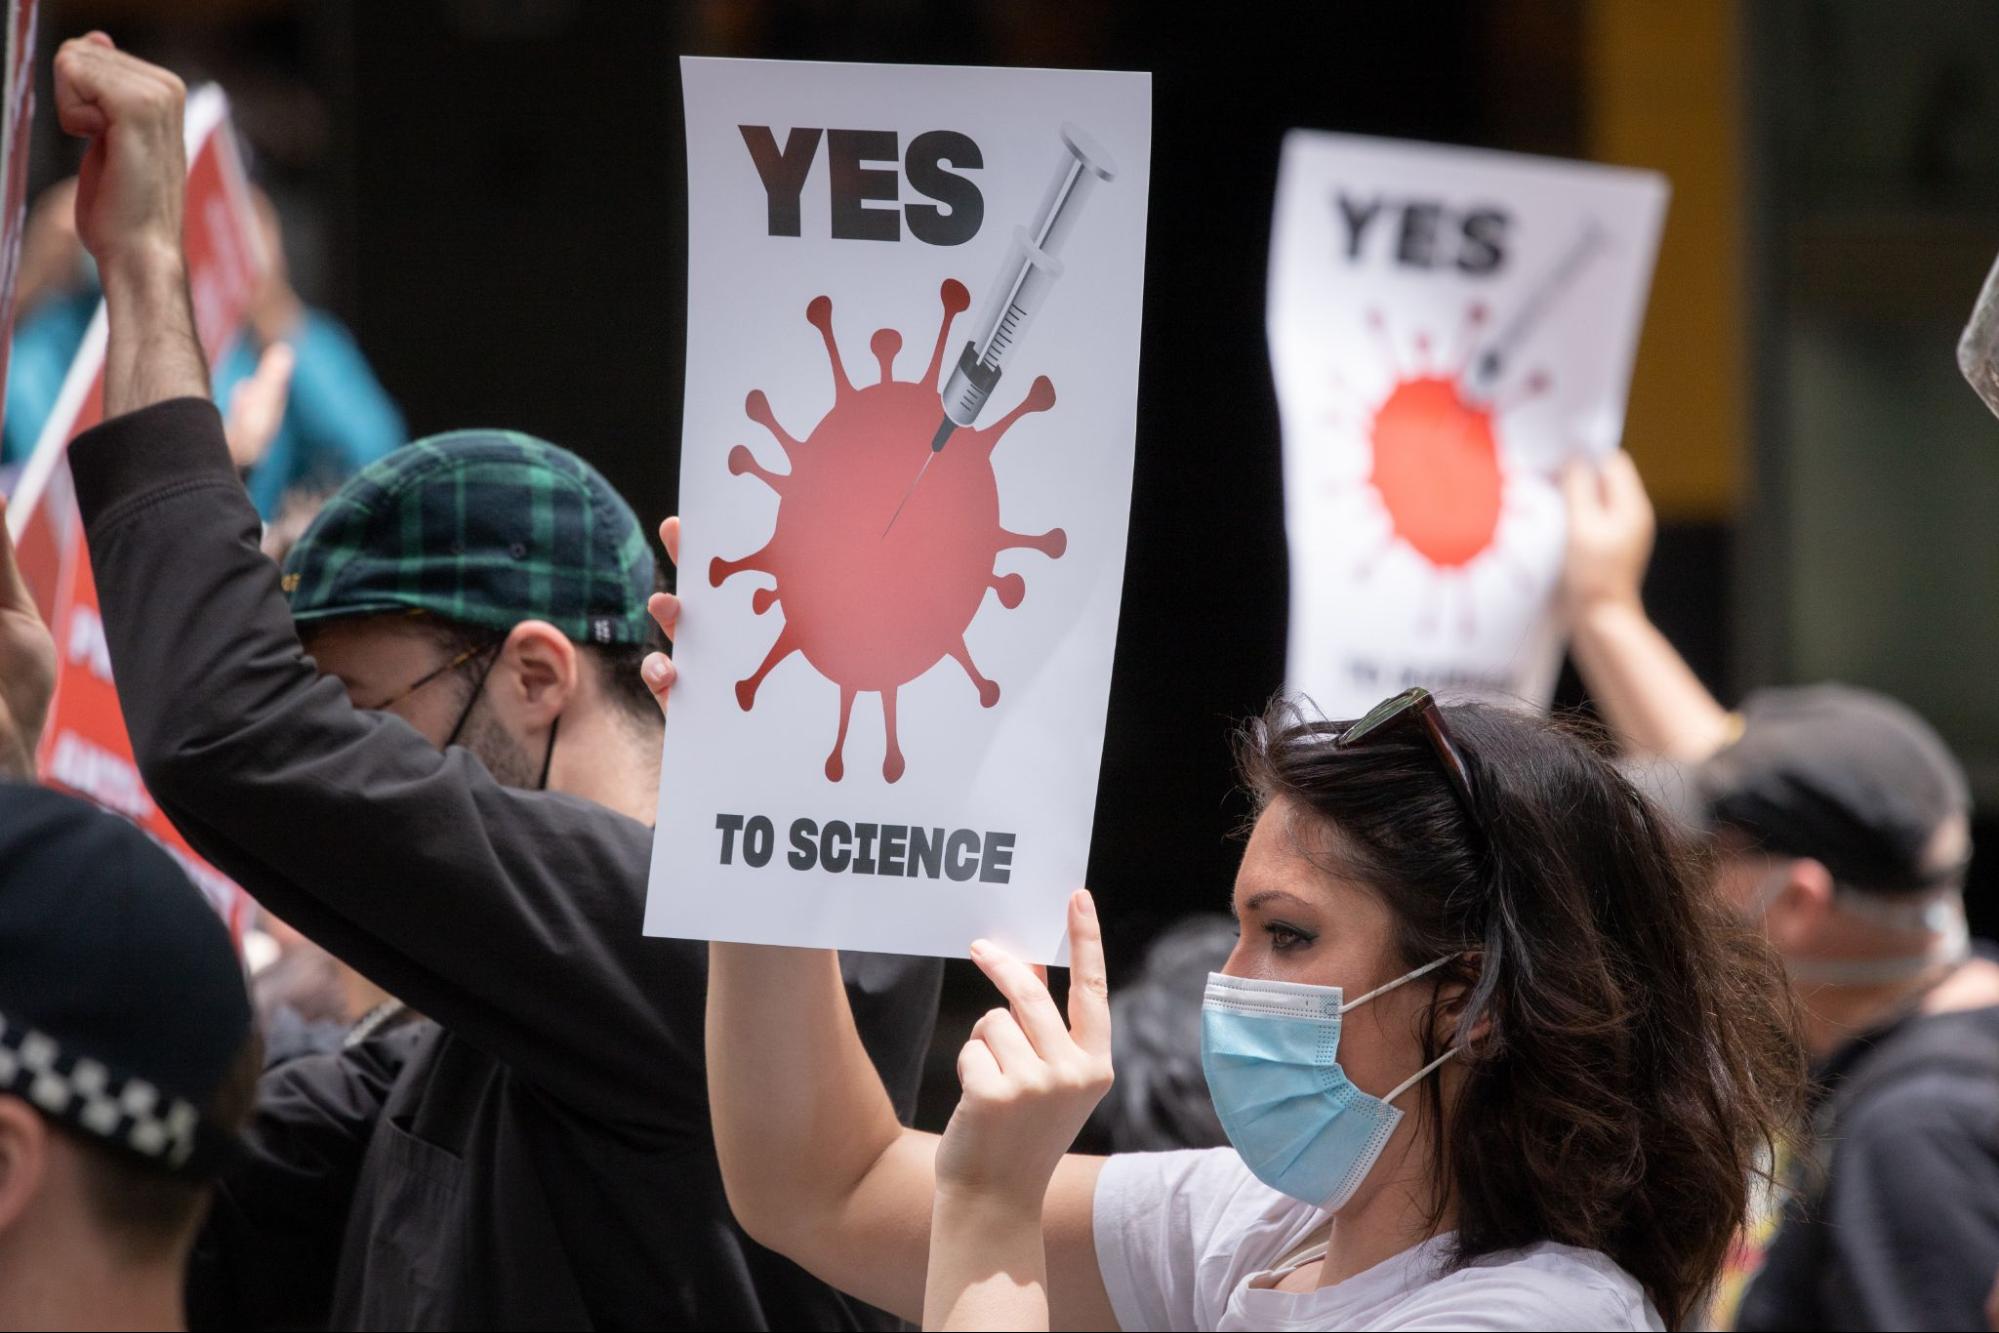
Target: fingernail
column 978, row 947
column 1089, row 903
column 655, row 670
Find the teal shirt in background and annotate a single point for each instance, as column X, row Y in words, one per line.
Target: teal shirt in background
column 44, row 344
column 338, row 418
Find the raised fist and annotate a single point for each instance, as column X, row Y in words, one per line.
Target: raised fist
column 1611, row 528
column 130, row 191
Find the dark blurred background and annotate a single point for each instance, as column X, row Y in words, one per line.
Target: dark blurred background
column 490, row 193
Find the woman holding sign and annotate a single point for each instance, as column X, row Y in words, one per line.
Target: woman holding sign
column 1487, row 1055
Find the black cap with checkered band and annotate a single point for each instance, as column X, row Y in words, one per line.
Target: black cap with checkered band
column 122, row 1006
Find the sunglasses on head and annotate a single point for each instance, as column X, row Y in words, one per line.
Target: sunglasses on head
column 1416, row 707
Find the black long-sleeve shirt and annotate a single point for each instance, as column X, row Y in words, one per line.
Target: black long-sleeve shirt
column 1901, row 1229
column 540, row 1154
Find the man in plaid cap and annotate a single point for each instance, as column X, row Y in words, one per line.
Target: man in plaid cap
column 536, row 1152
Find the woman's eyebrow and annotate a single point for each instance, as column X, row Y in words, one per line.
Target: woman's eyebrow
column 1267, row 896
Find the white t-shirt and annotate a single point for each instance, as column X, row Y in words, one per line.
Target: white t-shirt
column 1188, row 1240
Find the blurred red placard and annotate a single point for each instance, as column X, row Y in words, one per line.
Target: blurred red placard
column 85, row 747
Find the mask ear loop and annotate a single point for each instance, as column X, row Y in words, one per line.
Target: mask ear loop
column 1420, row 1075
column 1402, row 980
column 548, row 755
column 495, row 648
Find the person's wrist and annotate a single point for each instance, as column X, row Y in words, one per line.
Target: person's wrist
column 1607, row 609
column 988, row 1204
column 143, row 268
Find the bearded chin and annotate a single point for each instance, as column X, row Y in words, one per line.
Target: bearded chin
column 501, row 752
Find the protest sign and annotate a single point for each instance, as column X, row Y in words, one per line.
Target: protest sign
column 17, row 118
column 912, row 367
column 84, row 747
column 1447, row 328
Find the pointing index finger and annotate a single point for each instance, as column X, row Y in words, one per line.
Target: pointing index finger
column 1089, row 987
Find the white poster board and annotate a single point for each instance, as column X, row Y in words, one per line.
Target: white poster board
column 1447, row 328
column 890, row 713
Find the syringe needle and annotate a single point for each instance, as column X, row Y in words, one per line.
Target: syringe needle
column 906, row 494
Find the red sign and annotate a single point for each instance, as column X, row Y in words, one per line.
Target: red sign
column 85, row 748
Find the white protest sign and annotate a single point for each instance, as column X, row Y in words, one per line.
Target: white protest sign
column 898, row 625
column 1447, row 328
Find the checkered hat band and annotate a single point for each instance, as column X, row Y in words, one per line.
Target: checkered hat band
column 121, row 1110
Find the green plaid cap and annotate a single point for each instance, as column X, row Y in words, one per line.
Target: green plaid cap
column 482, row 527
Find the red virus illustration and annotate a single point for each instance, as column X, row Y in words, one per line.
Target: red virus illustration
column 872, row 612
column 1436, row 468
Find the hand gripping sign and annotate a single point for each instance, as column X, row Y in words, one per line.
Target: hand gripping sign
column 913, row 313
column 85, row 748
column 1447, row 328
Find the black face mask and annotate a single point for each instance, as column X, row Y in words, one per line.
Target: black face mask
column 472, row 701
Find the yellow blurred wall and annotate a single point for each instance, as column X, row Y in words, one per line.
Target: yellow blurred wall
column 1661, row 89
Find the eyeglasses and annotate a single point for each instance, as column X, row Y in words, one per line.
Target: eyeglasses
column 475, row 651
column 1416, row 706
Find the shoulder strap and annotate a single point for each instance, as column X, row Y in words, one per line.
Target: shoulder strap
column 1313, row 1246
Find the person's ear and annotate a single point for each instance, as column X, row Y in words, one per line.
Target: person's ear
column 1800, row 906
column 24, row 1145
column 1452, row 996
column 543, row 670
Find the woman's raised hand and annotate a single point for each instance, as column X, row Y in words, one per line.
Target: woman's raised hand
column 1030, row 1080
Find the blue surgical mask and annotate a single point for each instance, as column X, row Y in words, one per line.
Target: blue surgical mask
column 1939, row 915
column 1270, row 1050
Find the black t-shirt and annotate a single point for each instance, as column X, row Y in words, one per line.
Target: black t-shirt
column 1901, row 1229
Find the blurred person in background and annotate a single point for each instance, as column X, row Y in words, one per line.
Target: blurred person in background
column 1839, row 823
column 308, row 1002
column 452, row 795
column 1160, row 1100
column 27, row 667
column 336, row 420
column 127, row 1063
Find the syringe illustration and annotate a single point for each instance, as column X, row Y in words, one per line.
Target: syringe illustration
column 1486, row 367
column 1023, row 283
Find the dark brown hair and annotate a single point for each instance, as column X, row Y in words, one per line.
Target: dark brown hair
column 1636, row 1061
column 149, row 1213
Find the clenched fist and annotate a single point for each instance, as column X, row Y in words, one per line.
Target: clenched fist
column 130, row 191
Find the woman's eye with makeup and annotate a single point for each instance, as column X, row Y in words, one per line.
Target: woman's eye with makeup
column 1285, row 938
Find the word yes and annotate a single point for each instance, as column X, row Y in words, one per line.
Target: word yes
column 855, row 186
column 1422, row 233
